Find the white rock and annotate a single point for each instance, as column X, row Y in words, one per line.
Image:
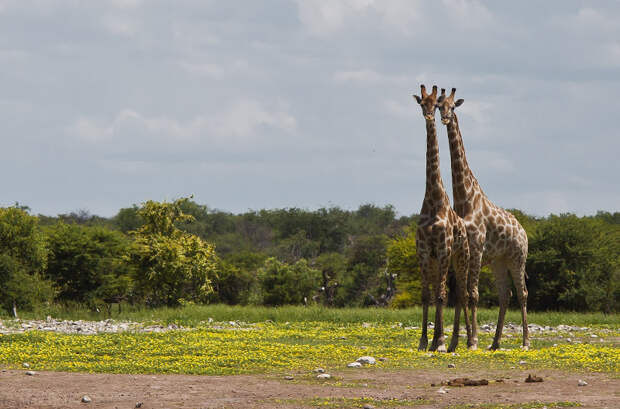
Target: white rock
column 31, row 373
column 26, row 365
column 366, row 360
column 442, row 390
column 354, row 365
column 522, row 362
column 319, row 370
column 324, row 376
column 368, row 406
column 289, row 378
column 593, row 336
column 86, row 399
column 451, row 366
column 582, row 383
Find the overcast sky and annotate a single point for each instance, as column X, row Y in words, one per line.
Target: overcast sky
column 282, row 103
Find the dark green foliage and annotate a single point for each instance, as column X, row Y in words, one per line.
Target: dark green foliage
column 23, row 258
column 88, row 263
column 284, row 284
column 574, row 262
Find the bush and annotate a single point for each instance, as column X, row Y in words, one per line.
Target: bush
column 88, row 263
column 172, row 266
column 283, row 283
column 23, row 258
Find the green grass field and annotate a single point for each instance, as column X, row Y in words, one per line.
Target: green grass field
column 290, row 339
column 193, row 315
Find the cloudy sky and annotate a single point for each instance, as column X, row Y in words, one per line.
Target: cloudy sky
column 282, row 103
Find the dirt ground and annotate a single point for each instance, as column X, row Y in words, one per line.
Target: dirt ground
column 65, row 390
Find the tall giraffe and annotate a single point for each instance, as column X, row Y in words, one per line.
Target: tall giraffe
column 441, row 238
column 494, row 235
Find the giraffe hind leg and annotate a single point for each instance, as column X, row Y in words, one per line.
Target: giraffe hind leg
column 502, row 283
column 460, row 269
column 517, row 271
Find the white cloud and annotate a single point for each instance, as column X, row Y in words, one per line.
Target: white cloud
column 235, row 128
column 323, row 17
column 120, row 25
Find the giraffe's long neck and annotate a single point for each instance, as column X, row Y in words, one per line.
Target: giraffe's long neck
column 464, row 183
column 435, row 192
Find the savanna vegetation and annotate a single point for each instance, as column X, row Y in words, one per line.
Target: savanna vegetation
column 184, row 253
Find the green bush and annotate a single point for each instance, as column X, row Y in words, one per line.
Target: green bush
column 284, row 284
column 88, row 263
column 172, row 266
column 23, row 258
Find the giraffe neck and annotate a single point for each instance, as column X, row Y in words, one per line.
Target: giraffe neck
column 464, row 183
column 435, row 192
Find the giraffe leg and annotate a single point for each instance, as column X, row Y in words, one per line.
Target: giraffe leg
column 460, row 267
column 426, row 297
column 475, row 263
column 518, row 278
column 438, row 344
column 502, row 282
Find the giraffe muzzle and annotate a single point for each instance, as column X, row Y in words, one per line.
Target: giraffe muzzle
column 445, row 121
column 429, row 117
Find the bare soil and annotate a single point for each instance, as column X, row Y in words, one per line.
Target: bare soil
column 65, row 390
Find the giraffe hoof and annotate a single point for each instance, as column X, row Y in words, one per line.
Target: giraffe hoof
column 441, row 348
column 525, row 347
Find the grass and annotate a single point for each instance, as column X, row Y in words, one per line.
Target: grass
column 529, row 405
column 193, row 315
column 279, row 348
column 331, row 402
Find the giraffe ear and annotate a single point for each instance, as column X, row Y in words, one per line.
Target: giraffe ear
column 417, row 98
column 459, row 102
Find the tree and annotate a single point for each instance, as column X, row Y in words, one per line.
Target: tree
column 402, row 253
column 284, row 284
column 23, row 258
column 172, row 266
column 88, row 263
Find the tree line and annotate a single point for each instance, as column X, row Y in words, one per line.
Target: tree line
column 162, row 253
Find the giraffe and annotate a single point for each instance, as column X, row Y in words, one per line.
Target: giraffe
column 494, row 235
column 441, row 238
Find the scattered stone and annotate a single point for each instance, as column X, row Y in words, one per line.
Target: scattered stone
column 31, row 373
column 522, row 362
column 382, row 359
column 26, row 365
column 318, row 370
column 582, row 383
column 289, row 378
column 569, row 340
column 366, row 360
column 451, row 366
column 499, row 381
column 366, row 325
column 455, row 354
column 354, row 365
column 138, row 404
column 593, row 336
column 368, row 406
column 342, row 337
column 324, row 376
column 533, row 378
column 86, row 399
column 442, row 390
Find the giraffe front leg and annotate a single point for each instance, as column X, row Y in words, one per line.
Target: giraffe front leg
column 439, row 340
column 461, row 268
column 475, row 262
column 426, row 297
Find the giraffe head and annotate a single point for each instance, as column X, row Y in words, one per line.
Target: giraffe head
column 428, row 102
column 446, row 105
